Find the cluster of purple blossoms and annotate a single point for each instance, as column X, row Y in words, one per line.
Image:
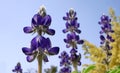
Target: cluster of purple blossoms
column 72, row 41
column 105, row 36
column 40, row 46
column 106, row 31
column 65, row 61
column 17, row 68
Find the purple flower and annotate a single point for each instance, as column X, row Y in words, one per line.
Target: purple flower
column 65, row 59
column 65, row 69
column 40, row 45
column 17, row 68
column 106, row 30
column 73, row 40
column 65, row 62
column 40, row 23
column 75, row 58
column 71, row 24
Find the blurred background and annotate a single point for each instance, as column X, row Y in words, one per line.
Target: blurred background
column 16, row 14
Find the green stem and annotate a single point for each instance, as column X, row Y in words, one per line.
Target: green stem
column 39, row 58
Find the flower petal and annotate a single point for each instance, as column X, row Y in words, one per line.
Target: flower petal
column 53, row 51
column 65, row 30
column 48, row 43
column 28, row 29
column 65, row 18
column 30, row 58
column 77, row 37
column 102, row 37
column 78, row 31
column 36, row 20
column 42, row 42
column 69, row 37
column 50, row 31
column 45, row 58
column 80, row 41
column 66, row 40
column 26, row 51
column 46, row 20
column 34, row 43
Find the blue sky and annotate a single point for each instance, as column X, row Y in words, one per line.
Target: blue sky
column 16, row 14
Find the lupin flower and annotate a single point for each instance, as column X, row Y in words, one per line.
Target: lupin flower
column 40, row 23
column 74, row 57
column 40, row 45
column 71, row 24
column 17, row 68
column 65, row 61
column 106, row 28
column 105, row 33
column 72, row 40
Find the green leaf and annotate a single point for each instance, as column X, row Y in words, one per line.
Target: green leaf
column 118, row 71
column 89, row 68
column 113, row 71
column 74, row 72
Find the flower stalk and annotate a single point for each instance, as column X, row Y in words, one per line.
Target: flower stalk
column 39, row 58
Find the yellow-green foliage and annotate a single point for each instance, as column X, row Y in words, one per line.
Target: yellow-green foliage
column 115, row 58
column 97, row 55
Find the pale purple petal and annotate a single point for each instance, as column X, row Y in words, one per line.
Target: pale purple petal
column 30, row 58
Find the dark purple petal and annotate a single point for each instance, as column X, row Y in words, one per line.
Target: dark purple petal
column 48, row 43
column 27, row 51
column 112, row 40
column 102, row 42
column 45, row 58
column 65, row 18
column 67, row 25
column 69, row 37
column 51, row 31
column 73, row 23
column 78, row 31
column 77, row 37
column 28, row 29
column 67, row 14
column 102, row 37
column 36, row 20
column 42, row 42
column 109, row 37
column 66, row 41
column 73, row 51
column 34, row 43
column 46, row 20
column 53, row 51
column 80, row 41
column 30, row 58
column 65, row 30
